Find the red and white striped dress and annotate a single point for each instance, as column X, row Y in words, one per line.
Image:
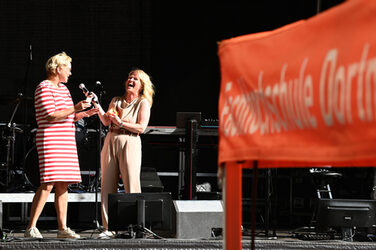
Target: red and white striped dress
column 56, row 142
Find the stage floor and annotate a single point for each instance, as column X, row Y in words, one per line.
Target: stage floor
column 283, row 239
column 90, row 240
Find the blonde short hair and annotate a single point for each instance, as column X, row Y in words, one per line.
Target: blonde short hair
column 147, row 90
column 59, row 60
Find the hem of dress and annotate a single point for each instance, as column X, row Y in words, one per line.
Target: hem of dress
column 69, row 182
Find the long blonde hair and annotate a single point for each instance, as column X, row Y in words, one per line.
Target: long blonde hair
column 147, row 90
column 59, row 60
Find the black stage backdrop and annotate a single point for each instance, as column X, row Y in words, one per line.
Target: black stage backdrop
column 174, row 41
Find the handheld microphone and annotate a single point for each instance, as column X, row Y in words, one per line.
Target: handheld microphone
column 84, row 89
column 86, row 92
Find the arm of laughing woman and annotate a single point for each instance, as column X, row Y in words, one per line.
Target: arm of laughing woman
column 142, row 119
column 105, row 119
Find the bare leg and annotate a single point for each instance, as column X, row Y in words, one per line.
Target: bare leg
column 61, row 204
column 39, row 201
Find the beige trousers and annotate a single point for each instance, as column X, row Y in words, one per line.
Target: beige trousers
column 121, row 154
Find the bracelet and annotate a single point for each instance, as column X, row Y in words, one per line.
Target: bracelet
column 121, row 124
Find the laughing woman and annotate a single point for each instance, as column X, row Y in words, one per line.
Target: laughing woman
column 127, row 117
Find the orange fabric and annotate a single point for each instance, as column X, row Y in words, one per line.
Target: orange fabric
column 302, row 94
column 113, row 112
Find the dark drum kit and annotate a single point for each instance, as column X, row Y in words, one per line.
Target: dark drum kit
column 9, row 133
column 8, row 138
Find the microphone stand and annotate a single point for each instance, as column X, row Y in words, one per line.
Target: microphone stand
column 100, row 129
column 11, row 139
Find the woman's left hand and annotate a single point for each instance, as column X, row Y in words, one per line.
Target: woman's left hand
column 87, row 113
column 115, row 119
column 91, row 112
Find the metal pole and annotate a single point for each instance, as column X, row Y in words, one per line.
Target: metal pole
column 233, row 206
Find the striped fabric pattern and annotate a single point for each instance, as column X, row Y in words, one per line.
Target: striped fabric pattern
column 55, row 141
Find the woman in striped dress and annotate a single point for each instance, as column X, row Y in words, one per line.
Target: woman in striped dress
column 56, row 145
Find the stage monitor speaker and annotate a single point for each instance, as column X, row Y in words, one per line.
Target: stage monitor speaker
column 150, row 181
column 197, row 218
